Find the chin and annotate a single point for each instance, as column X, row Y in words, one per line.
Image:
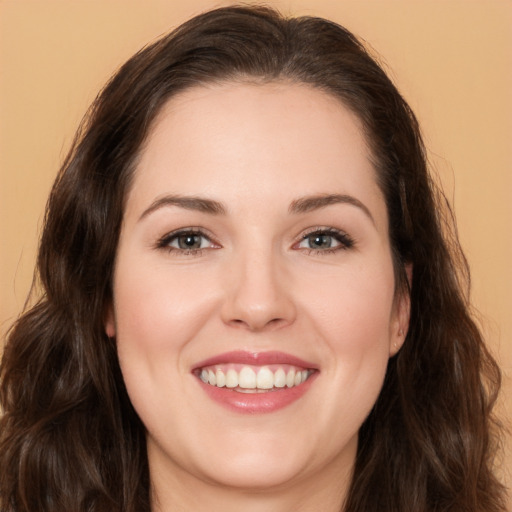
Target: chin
column 256, row 473
column 271, row 462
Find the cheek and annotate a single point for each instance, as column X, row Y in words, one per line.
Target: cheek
column 354, row 313
column 158, row 312
column 354, row 323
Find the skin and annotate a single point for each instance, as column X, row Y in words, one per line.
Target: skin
column 258, row 285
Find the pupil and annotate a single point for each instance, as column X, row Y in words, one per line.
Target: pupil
column 321, row 241
column 189, row 242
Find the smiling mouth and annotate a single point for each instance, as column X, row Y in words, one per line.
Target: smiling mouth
column 254, row 379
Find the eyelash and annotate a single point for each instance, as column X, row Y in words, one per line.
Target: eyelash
column 166, row 240
column 344, row 240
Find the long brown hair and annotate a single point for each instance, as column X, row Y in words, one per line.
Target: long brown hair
column 69, row 437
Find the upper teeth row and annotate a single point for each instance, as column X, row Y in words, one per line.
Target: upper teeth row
column 247, row 378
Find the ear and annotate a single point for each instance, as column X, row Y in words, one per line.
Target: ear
column 110, row 322
column 401, row 315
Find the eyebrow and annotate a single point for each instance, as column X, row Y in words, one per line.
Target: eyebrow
column 198, row 204
column 212, row 207
column 311, row 203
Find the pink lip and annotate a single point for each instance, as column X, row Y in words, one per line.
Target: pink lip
column 256, row 403
column 255, row 358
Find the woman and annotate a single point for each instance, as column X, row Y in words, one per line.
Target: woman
column 250, row 300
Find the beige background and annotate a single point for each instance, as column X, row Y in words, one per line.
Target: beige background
column 451, row 59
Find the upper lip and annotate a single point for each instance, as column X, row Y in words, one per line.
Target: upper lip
column 255, row 359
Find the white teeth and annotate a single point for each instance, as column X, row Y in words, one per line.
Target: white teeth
column 290, row 379
column 250, row 379
column 279, row 378
column 231, row 379
column 247, row 378
column 221, row 378
column 265, row 379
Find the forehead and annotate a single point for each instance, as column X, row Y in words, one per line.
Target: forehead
column 296, row 110
column 271, row 142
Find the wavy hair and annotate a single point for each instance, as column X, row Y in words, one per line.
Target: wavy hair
column 69, row 437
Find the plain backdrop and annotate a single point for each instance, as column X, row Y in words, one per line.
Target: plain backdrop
column 452, row 60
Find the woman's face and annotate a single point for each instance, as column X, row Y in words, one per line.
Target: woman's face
column 254, row 296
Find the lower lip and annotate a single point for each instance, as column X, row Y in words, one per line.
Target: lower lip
column 257, row 403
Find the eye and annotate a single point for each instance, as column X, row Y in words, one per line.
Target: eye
column 189, row 241
column 318, row 241
column 325, row 240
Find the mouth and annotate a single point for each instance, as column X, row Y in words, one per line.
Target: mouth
column 255, row 382
column 254, row 379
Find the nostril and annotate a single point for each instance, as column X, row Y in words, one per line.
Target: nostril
column 276, row 322
column 257, row 304
column 252, row 325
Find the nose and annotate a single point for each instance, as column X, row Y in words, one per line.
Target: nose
column 258, row 294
